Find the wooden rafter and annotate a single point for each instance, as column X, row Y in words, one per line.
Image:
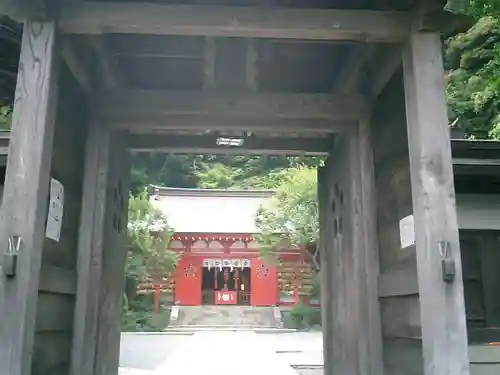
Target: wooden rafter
column 350, row 74
column 75, row 64
column 251, row 65
column 375, row 80
column 251, row 145
column 238, row 104
column 110, row 73
column 233, row 21
column 199, row 123
column 209, row 63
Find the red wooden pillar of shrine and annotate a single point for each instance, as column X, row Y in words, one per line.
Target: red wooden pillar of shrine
column 156, row 300
column 264, row 284
column 188, row 281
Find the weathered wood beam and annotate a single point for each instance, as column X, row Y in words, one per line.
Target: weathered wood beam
column 24, row 209
column 113, row 259
column 442, row 309
column 251, row 65
column 75, row 64
column 350, row 74
column 251, row 145
column 326, row 248
column 377, row 79
column 109, row 68
column 209, row 63
column 90, row 249
column 21, row 10
column 238, row 104
column 144, row 124
column 367, row 257
column 228, row 21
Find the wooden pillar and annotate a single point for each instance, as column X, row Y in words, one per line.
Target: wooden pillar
column 25, row 198
column 442, row 310
column 90, row 249
column 326, row 253
column 351, row 313
column 368, row 265
column 114, row 256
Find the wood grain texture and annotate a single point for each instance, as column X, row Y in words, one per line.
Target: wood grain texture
column 57, row 280
column 252, row 145
column 442, row 306
column 236, row 21
column 113, row 260
column 149, row 103
column 26, row 189
column 54, row 312
column 90, row 249
column 369, row 250
column 326, row 254
column 401, row 317
column 403, row 357
column 51, row 352
column 157, row 123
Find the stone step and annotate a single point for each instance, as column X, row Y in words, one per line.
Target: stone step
column 232, row 316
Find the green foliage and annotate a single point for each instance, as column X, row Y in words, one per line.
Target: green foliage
column 147, row 256
column 472, row 59
column 302, row 317
column 473, row 82
column 477, row 8
column 138, row 314
column 5, row 117
column 218, row 176
column 211, row 171
column 148, row 237
column 291, row 218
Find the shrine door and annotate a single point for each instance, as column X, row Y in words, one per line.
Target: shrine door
column 188, row 282
column 264, row 284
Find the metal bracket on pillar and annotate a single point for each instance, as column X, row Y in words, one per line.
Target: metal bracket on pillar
column 10, row 256
column 447, row 262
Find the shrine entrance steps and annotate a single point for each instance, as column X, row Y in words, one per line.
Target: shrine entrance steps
column 242, row 317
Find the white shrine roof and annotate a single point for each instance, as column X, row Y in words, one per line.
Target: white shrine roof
column 210, row 210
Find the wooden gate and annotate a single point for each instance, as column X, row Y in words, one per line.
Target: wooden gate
column 188, row 282
column 264, row 284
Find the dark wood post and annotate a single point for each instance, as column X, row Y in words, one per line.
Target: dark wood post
column 442, row 309
column 326, row 253
column 25, row 197
column 113, row 259
column 352, row 330
column 90, row 249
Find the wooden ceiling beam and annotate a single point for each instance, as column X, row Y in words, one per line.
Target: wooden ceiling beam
column 147, row 124
column 350, row 74
column 251, row 145
column 75, row 64
column 376, row 80
column 236, row 104
column 209, row 64
column 251, row 65
column 110, row 73
column 234, row 21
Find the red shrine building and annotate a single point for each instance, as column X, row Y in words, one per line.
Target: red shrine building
column 219, row 261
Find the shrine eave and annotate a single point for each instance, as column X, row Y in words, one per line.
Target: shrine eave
column 244, row 237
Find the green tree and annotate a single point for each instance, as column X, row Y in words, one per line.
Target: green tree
column 291, row 217
column 472, row 59
column 218, row 176
column 147, row 257
column 5, row 117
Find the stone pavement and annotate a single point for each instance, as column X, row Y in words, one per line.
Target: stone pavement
column 143, row 353
column 213, row 353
